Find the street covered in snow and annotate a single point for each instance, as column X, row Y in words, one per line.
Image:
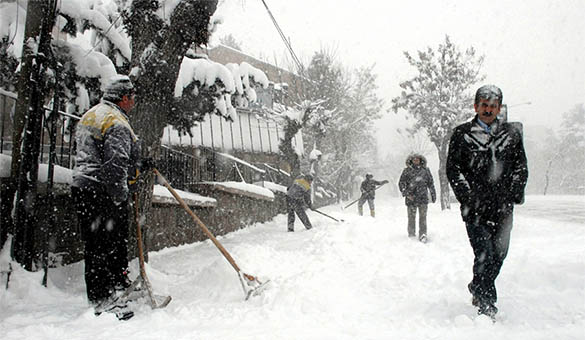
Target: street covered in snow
column 359, row 279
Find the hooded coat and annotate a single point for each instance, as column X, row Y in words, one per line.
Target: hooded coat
column 487, row 171
column 416, row 182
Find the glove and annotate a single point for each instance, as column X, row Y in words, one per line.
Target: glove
column 147, row 164
column 385, row 181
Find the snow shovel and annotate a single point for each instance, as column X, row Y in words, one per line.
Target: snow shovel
column 331, row 217
column 250, row 284
column 352, row 203
column 144, row 281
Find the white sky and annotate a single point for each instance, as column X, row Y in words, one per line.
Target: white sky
column 533, row 49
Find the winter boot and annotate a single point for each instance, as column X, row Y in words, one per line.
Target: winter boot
column 423, row 238
column 488, row 309
column 373, row 213
column 118, row 308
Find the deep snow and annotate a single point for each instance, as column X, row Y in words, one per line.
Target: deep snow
column 362, row 279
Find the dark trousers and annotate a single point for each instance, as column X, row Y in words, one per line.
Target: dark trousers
column 490, row 242
column 296, row 206
column 422, row 219
column 104, row 231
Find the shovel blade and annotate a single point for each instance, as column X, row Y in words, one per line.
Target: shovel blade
column 257, row 290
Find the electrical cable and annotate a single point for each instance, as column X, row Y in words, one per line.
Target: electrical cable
column 286, row 42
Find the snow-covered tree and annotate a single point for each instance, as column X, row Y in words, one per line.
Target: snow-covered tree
column 346, row 135
column 565, row 157
column 439, row 97
column 154, row 39
column 293, row 119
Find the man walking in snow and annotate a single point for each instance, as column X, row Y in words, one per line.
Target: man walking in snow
column 298, row 196
column 487, row 169
column 415, row 183
column 107, row 159
column 368, row 189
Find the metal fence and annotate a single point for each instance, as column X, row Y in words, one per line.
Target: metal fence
column 64, row 124
column 182, row 165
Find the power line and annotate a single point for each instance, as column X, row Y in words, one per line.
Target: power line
column 286, row 42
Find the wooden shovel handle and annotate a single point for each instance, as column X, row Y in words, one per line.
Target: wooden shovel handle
column 198, row 221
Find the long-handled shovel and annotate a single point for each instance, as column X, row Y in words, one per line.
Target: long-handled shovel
column 165, row 300
column 250, row 284
column 352, row 203
column 331, row 217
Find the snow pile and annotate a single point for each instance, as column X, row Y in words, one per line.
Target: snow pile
column 104, row 17
column 314, row 154
column 204, row 71
column 162, row 195
column 5, row 163
column 243, row 188
column 363, row 279
column 240, row 161
column 61, row 174
column 274, row 187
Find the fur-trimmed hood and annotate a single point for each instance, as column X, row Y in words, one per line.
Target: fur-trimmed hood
column 411, row 157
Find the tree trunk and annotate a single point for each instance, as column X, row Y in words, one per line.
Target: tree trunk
column 40, row 19
column 443, row 181
column 32, row 31
column 157, row 52
column 547, row 177
column 287, row 151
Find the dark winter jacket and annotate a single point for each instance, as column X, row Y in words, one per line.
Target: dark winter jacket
column 415, row 181
column 300, row 191
column 107, row 151
column 368, row 188
column 487, row 171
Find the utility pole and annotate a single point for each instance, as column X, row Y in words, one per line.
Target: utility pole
column 28, row 124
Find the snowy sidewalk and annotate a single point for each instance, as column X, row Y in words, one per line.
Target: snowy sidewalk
column 362, row 279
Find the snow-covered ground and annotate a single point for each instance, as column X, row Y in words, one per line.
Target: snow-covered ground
column 362, row 279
